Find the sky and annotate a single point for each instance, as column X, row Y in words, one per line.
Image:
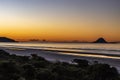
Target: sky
column 60, row 20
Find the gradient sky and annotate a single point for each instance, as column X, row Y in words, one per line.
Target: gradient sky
column 59, row 20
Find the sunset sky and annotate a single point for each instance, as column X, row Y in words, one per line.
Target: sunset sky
column 60, row 20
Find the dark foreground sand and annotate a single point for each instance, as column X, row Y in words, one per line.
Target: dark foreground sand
column 63, row 56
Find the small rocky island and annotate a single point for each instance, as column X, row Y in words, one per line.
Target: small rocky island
column 5, row 39
column 101, row 40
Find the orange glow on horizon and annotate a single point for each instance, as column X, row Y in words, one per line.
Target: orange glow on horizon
column 52, row 33
column 53, row 22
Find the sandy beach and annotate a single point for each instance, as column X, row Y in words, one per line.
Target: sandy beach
column 63, row 56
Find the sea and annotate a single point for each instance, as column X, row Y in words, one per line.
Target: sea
column 77, row 49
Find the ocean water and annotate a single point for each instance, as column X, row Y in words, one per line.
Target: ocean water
column 90, row 49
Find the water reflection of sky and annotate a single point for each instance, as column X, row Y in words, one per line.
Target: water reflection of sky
column 72, row 54
column 76, row 49
column 90, row 55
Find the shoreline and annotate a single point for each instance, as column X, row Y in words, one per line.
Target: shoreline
column 103, row 55
column 63, row 56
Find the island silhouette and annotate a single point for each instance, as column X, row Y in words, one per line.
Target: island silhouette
column 100, row 40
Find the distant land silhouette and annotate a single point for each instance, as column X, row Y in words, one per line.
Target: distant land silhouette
column 101, row 40
column 5, row 39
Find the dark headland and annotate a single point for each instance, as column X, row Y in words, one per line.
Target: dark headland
column 5, row 39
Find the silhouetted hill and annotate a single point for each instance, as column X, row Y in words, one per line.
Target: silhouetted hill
column 5, row 39
column 101, row 40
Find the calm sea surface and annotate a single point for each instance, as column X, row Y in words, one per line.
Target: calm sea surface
column 107, row 49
